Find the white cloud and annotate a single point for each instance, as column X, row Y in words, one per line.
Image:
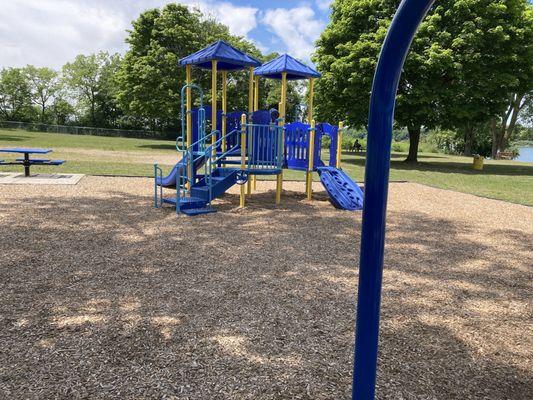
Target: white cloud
column 240, row 20
column 53, row 32
column 297, row 27
column 323, row 4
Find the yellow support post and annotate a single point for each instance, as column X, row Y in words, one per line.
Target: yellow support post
column 188, row 118
column 250, row 111
column 256, row 108
column 224, row 107
column 243, row 157
column 188, row 80
column 309, row 175
column 283, row 105
column 213, row 101
column 310, row 99
column 256, row 94
column 339, row 144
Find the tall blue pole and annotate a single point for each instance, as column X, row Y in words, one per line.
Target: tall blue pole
column 401, row 32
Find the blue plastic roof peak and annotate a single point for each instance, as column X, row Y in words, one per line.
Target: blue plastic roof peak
column 229, row 58
column 285, row 63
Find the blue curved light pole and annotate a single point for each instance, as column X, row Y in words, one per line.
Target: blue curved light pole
column 401, row 32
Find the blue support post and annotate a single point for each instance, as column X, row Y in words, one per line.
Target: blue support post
column 401, row 32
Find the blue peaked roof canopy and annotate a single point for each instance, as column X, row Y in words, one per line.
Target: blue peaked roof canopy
column 295, row 69
column 229, row 58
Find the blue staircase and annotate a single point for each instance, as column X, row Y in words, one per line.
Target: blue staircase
column 208, row 188
column 199, row 178
column 213, row 164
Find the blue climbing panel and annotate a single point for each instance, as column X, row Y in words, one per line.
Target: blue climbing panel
column 297, row 147
column 343, row 192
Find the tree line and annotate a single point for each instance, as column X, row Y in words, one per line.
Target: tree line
column 140, row 90
column 469, row 69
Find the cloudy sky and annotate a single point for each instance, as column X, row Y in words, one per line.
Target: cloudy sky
column 52, row 32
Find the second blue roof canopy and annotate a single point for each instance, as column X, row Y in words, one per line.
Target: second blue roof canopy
column 285, row 63
column 229, row 58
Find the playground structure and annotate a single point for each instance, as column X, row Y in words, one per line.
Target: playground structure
column 243, row 145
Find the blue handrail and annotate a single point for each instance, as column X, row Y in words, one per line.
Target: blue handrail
column 184, row 112
column 401, row 32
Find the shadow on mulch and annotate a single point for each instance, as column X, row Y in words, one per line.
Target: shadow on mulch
column 109, row 298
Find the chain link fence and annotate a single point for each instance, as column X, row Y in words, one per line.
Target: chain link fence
column 87, row 130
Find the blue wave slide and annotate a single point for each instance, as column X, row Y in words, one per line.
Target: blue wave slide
column 169, row 181
column 343, row 192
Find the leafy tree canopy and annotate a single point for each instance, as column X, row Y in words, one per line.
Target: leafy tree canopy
column 460, row 68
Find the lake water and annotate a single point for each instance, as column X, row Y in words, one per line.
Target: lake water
column 526, row 154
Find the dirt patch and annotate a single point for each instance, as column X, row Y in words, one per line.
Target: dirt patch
column 104, row 297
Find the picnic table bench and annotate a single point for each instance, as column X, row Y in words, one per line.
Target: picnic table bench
column 26, row 161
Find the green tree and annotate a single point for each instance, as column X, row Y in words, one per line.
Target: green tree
column 520, row 92
column 62, row 111
column 15, row 95
column 453, row 76
column 489, row 42
column 44, row 84
column 91, row 80
column 347, row 53
column 151, row 79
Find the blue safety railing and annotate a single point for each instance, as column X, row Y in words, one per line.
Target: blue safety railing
column 186, row 175
column 264, row 148
column 213, row 159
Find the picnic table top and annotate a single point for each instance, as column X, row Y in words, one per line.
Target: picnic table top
column 25, row 150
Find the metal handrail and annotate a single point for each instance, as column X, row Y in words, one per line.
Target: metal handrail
column 184, row 112
column 158, row 202
column 213, row 159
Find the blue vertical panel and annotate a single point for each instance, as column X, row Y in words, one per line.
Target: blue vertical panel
column 401, row 32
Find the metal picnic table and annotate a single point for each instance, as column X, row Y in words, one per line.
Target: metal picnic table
column 27, row 162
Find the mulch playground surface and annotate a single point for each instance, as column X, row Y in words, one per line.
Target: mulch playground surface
column 104, row 297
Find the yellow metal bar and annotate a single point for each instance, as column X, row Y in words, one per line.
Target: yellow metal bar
column 250, row 111
column 188, row 80
column 339, row 144
column 243, row 157
column 256, row 94
column 283, row 95
column 282, row 108
column 309, row 175
column 213, row 101
column 188, row 118
column 224, row 107
column 310, row 99
column 256, row 107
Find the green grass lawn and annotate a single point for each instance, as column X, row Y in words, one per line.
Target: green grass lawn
column 94, row 155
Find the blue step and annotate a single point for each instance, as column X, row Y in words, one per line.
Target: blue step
column 186, row 202
column 222, row 179
column 198, row 211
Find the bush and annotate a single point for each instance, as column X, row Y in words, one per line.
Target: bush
column 444, row 140
column 400, row 147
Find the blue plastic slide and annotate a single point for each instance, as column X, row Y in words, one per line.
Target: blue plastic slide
column 169, row 181
column 343, row 192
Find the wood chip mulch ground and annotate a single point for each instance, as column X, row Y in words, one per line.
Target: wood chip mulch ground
column 104, row 297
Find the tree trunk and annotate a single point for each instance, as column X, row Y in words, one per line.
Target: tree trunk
column 469, row 140
column 414, row 140
column 495, row 138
